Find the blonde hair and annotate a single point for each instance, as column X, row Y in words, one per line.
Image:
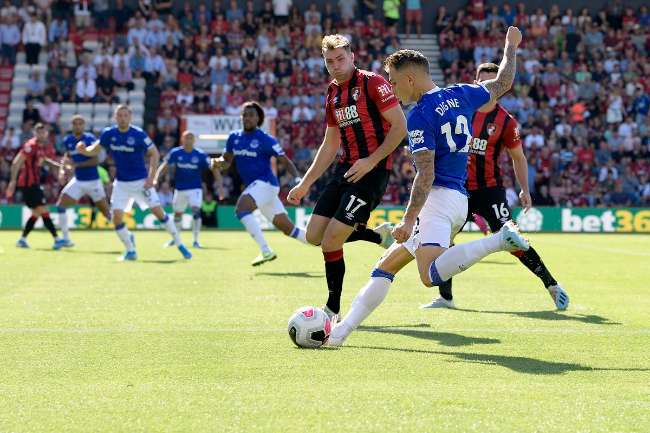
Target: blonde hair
column 77, row 117
column 332, row 42
column 122, row 107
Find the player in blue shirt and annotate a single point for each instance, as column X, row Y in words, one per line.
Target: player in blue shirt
column 86, row 178
column 252, row 149
column 439, row 131
column 129, row 145
column 188, row 165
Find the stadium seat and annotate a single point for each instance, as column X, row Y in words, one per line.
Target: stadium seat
column 15, row 121
column 123, row 95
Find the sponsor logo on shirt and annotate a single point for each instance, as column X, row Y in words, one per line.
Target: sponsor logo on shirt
column 187, row 166
column 121, row 148
column 346, row 116
column 245, row 152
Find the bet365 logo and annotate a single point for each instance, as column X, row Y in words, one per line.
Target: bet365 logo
column 344, row 114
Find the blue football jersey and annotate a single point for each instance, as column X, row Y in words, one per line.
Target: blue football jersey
column 442, row 121
column 70, row 144
column 128, row 150
column 253, row 152
column 189, row 167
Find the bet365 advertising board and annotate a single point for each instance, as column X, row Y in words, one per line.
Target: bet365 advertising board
column 547, row 219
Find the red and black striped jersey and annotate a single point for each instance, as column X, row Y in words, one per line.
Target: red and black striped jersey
column 492, row 132
column 355, row 107
column 30, row 173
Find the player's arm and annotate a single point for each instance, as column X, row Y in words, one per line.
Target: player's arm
column 52, row 163
column 520, row 165
column 162, row 169
column 394, row 116
column 291, row 167
column 218, row 179
column 222, row 162
column 324, row 158
column 424, row 160
column 16, row 165
column 154, row 157
column 500, row 85
column 89, row 151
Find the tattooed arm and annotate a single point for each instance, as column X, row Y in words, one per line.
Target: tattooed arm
column 419, row 192
column 506, row 75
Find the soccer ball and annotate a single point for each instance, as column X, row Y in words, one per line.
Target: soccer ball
column 309, row 327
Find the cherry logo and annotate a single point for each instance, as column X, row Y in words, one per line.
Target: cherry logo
column 308, row 313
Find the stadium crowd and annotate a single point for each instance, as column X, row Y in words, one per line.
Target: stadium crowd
column 581, row 93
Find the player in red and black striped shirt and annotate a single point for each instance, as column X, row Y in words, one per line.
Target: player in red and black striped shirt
column 494, row 130
column 26, row 175
column 365, row 120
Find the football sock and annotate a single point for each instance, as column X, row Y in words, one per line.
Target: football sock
column 253, row 229
column 196, row 225
column 460, row 257
column 171, row 229
column 63, row 223
column 364, row 234
column 334, row 273
column 367, row 300
column 445, row 290
column 125, row 236
column 178, row 222
column 533, row 261
column 29, row 225
column 299, row 234
column 47, row 222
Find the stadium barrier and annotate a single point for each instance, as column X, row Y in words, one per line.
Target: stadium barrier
column 542, row 219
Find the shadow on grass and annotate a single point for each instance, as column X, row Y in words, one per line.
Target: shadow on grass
column 519, row 364
column 162, row 262
column 551, row 315
column 444, row 338
column 292, row 274
column 72, row 251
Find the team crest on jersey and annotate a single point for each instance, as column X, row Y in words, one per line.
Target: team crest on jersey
column 254, row 144
column 130, row 141
column 195, row 160
column 491, row 129
column 355, row 93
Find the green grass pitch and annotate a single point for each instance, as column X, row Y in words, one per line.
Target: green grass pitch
column 91, row 345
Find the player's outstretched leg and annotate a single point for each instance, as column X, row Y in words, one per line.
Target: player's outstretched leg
column 125, row 236
column 29, row 226
column 62, row 206
column 49, row 225
column 332, row 246
column 169, row 225
column 196, row 227
column 372, row 294
column 380, row 235
column 178, row 219
column 244, row 209
column 534, row 262
column 282, row 222
column 460, row 257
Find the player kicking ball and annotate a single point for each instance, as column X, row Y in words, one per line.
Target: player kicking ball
column 252, row 149
column 129, row 145
column 439, row 136
column 86, row 177
column 188, row 164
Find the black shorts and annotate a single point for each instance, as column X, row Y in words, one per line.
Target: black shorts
column 351, row 203
column 33, row 196
column 491, row 204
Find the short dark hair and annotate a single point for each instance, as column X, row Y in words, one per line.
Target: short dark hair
column 402, row 58
column 257, row 107
column 491, row 68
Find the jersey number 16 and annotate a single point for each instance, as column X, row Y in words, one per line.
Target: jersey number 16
column 461, row 129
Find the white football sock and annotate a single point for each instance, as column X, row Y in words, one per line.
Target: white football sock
column 460, row 257
column 178, row 223
column 196, row 228
column 299, row 234
column 366, row 301
column 171, row 229
column 63, row 223
column 125, row 236
column 253, row 228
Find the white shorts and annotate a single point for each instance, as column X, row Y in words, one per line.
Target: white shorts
column 442, row 216
column 79, row 188
column 125, row 193
column 187, row 197
column 266, row 198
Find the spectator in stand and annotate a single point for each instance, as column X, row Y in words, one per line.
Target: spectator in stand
column 106, row 85
column 414, row 16
column 123, row 76
column 34, row 38
column 86, row 69
column 86, row 89
column 49, row 111
column 281, row 10
column 391, row 12
column 58, row 30
column 35, row 85
column 10, row 38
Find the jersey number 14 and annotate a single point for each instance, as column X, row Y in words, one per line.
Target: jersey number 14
column 461, row 129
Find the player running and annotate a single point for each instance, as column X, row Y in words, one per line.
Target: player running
column 188, row 163
column 86, row 177
column 128, row 146
column 28, row 163
column 251, row 149
column 495, row 130
column 439, row 138
column 363, row 117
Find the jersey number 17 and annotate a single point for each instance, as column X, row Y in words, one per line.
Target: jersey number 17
column 461, row 129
